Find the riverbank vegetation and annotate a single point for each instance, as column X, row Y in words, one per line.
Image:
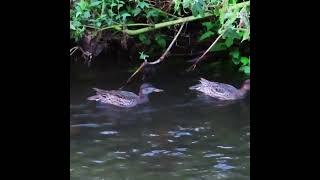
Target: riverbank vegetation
column 151, row 30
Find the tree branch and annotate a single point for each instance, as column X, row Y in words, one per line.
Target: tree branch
column 158, row 60
column 199, row 58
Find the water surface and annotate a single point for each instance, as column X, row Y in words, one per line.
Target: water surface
column 178, row 135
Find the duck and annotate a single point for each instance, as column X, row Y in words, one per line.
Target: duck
column 124, row 99
column 221, row 91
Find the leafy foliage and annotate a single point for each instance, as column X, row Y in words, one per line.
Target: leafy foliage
column 231, row 20
column 143, row 56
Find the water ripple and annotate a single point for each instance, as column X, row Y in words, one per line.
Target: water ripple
column 223, row 166
column 109, row 132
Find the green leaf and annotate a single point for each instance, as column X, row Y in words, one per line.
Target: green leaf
column 206, row 35
column 78, row 14
column 244, row 60
column 177, row 4
column 197, row 9
column 235, row 53
column 152, row 13
column 236, row 61
column 136, row 11
column 143, row 4
column 143, row 56
column 118, row 16
column 219, row 47
column 78, row 9
column 76, row 24
column 124, row 15
column 231, row 19
column 86, row 15
column 111, row 13
column 113, row 4
column 72, row 26
column 216, row 12
column 229, row 41
column 83, row 4
column 96, row 3
column 221, row 16
column 161, row 41
column 119, row 6
column 143, row 38
column 246, row 35
column 247, row 69
column 208, row 25
column 186, row 3
column 98, row 24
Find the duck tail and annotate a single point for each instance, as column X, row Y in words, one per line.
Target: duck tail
column 204, row 81
column 96, row 89
column 99, row 91
column 195, row 87
column 94, row 98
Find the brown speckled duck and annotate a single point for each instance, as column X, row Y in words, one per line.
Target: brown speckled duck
column 124, row 99
column 222, row 91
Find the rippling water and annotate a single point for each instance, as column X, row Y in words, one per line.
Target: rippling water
column 178, row 135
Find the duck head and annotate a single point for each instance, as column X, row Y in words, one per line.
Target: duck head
column 246, row 85
column 147, row 88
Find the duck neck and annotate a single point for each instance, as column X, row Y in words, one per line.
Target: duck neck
column 242, row 92
column 143, row 98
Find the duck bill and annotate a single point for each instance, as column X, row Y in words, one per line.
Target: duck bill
column 158, row 90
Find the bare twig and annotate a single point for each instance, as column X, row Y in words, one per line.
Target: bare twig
column 74, row 49
column 138, row 70
column 156, row 61
column 169, row 47
column 85, row 54
column 200, row 58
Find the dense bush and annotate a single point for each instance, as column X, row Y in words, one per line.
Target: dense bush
column 225, row 19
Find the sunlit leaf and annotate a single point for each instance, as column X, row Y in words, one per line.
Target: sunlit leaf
column 72, row 26
column 206, row 35
column 244, row 60
column 96, row 3
column 143, row 56
column 247, row 69
column 78, row 14
column 246, row 35
column 136, row 11
column 86, row 15
column 143, row 4
column 125, row 15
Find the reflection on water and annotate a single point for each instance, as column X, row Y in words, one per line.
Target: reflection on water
column 178, row 135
